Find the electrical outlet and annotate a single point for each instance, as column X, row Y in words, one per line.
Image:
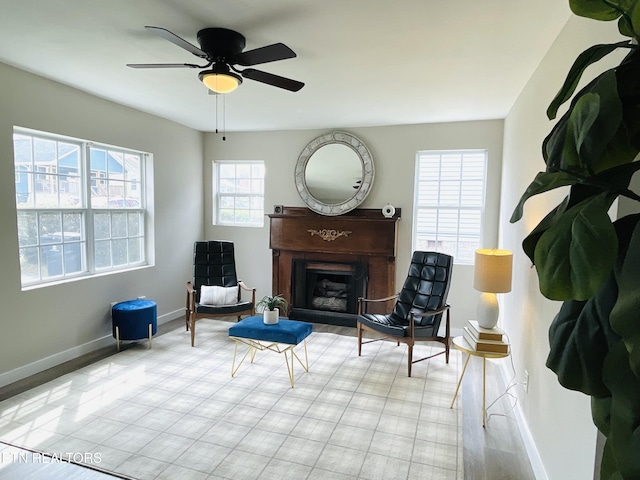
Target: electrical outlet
column 141, row 297
column 526, row 381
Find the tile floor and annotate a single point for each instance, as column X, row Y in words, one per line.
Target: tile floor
column 174, row 412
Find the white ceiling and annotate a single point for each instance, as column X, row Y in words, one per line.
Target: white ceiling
column 364, row 62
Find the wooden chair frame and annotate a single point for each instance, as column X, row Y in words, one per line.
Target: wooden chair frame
column 411, row 339
column 192, row 315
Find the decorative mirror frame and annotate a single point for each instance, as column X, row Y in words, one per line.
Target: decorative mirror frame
column 368, row 173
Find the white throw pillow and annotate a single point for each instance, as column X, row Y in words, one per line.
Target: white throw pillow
column 214, row 295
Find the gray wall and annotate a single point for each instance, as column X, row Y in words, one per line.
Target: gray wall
column 559, row 420
column 44, row 326
column 59, row 322
column 394, row 152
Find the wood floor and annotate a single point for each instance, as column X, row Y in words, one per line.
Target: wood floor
column 496, row 452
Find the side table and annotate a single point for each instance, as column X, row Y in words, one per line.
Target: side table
column 461, row 344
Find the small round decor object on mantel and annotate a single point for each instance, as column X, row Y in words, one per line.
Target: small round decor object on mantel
column 388, row 210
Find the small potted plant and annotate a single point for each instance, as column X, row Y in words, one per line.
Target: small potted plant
column 271, row 308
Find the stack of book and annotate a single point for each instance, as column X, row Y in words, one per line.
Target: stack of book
column 490, row 340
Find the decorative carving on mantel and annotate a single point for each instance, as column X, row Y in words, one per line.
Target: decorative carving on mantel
column 329, row 235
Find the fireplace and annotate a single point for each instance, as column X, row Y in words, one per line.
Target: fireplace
column 327, row 292
column 322, row 264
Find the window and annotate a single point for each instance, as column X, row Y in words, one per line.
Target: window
column 239, row 190
column 449, row 202
column 80, row 207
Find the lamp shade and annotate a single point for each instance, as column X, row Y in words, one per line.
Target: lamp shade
column 492, row 272
column 220, row 81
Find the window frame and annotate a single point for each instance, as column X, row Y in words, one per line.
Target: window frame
column 460, row 207
column 218, row 194
column 87, row 267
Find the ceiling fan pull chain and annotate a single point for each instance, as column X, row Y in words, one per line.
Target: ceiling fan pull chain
column 216, row 114
column 224, row 116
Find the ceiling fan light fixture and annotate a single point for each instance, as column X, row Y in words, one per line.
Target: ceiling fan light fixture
column 220, row 82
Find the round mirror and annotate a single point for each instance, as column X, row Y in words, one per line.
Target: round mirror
column 334, row 173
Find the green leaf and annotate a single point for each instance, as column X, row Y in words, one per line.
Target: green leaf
column 624, row 28
column 624, row 435
column 555, row 151
column 582, row 140
column 615, row 179
column 624, row 316
column 544, row 182
column 583, row 115
column 553, row 144
column 627, row 75
column 635, row 19
column 531, row 240
column 583, row 326
column 608, row 467
column 588, row 355
column 577, row 194
column 601, row 413
column 596, row 9
column 569, row 256
column 599, row 124
column 586, row 58
column 618, row 152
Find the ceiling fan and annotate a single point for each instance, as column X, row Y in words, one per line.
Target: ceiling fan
column 222, row 50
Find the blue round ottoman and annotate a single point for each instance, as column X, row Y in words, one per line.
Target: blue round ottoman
column 134, row 320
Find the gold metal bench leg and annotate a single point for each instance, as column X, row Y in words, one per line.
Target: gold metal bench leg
column 289, row 365
column 234, row 369
column 306, row 357
column 118, row 337
column 255, row 345
column 150, row 335
column 304, row 365
column 233, row 364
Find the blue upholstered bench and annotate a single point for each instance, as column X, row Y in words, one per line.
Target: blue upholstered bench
column 134, row 320
column 281, row 337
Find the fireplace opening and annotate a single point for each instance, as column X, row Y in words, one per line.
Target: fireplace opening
column 327, row 292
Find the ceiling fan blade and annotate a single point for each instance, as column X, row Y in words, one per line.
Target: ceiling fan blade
column 176, row 40
column 270, row 53
column 164, row 65
column 271, row 79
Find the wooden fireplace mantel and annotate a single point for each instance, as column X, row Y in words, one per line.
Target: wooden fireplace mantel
column 362, row 235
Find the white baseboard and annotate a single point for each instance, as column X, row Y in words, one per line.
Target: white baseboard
column 530, row 445
column 167, row 317
column 56, row 359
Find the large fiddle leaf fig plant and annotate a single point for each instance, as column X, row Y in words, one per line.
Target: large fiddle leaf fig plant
column 583, row 258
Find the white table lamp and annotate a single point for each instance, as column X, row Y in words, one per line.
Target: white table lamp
column 492, row 274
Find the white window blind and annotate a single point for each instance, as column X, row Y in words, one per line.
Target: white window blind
column 449, row 202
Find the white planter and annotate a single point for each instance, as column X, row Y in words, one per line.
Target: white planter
column 270, row 317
